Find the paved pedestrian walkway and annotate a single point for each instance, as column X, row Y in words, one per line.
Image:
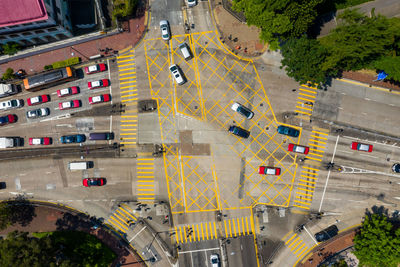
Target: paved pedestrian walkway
column 329, row 249
column 50, row 219
column 117, row 42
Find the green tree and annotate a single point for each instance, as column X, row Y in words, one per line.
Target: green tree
column 11, row 48
column 358, row 41
column 278, row 19
column 391, row 65
column 124, row 8
column 5, row 215
column 8, row 74
column 303, row 59
column 377, row 243
column 20, row 250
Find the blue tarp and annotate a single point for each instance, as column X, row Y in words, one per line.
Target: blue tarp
column 381, row 76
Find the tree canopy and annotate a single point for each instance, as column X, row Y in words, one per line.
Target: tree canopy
column 279, row 19
column 63, row 249
column 359, row 40
column 377, row 243
column 303, row 59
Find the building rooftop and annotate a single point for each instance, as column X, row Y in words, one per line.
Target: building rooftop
column 14, row 12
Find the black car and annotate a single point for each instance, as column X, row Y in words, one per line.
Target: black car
column 288, row 131
column 396, row 167
column 76, row 138
column 327, row 233
column 239, row 131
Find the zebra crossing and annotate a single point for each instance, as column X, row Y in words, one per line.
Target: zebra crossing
column 296, row 245
column 228, row 228
column 129, row 98
column 309, row 174
column 305, row 101
column 145, row 180
column 122, row 218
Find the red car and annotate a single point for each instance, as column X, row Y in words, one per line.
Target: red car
column 69, row 104
column 95, row 68
column 298, row 149
column 361, row 147
column 99, row 99
column 269, row 170
column 93, row 182
column 10, row 118
column 38, row 100
column 40, row 141
column 73, row 90
column 98, row 84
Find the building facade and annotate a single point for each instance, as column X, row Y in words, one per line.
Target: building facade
column 34, row 22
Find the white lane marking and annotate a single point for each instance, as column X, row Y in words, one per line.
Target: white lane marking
column 327, row 177
column 310, row 235
column 366, row 155
column 367, row 99
column 342, row 151
column 198, row 250
column 130, row 240
column 109, row 78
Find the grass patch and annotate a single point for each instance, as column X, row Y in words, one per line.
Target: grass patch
column 41, row 234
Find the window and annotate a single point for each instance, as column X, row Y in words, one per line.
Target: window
column 26, row 33
column 52, row 29
column 39, row 31
column 14, row 35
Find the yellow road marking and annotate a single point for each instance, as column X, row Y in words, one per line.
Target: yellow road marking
column 314, row 145
column 318, row 155
column 309, row 91
column 307, row 95
column 307, row 190
column 317, row 150
column 294, row 241
column 307, row 208
column 305, row 203
column 306, row 99
column 306, row 176
column 320, row 132
column 287, row 234
column 311, row 173
column 310, row 109
column 304, row 194
column 124, row 65
column 314, row 158
column 287, row 242
column 295, row 252
column 303, row 112
column 309, row 168
column 317, row 141
column 319, row 137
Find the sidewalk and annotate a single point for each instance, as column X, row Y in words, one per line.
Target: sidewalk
column 117, row 42
column 321, row 253
column 49, row 219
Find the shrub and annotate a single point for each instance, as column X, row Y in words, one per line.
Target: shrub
column 65, row 63
column 8, row 74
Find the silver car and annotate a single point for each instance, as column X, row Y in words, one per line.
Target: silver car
column 177, row 73
column 165, row 30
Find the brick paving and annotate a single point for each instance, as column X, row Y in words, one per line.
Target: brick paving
column 36, row 63
column 369, row 79
column 328, row 249
column 50, row 219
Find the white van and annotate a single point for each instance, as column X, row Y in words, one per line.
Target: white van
column 80, row 165
column 187, row 54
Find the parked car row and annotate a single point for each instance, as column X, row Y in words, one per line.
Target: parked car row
column 70, row 139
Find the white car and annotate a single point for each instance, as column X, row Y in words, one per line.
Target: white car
column 177, row 73
column 242, row 110
column 214, row 260
column 15, row 103
column 165, row 31
column 36, row 113
column 191, row 3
